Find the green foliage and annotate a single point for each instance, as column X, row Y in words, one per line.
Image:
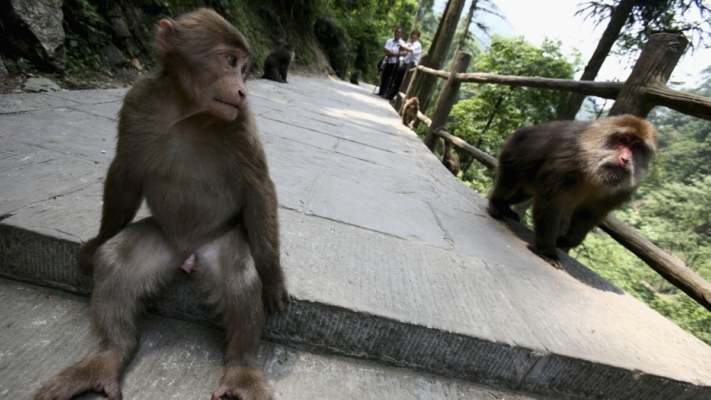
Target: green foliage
column 368, row 24
column 493, row 112
column 85, row 33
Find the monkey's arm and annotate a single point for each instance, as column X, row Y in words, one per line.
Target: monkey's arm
column 262, row 223
column 122, row 198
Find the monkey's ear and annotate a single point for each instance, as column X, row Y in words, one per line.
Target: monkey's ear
column 166, row 30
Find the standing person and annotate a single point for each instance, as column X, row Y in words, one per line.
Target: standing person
column 392, row 52
column 414, row 50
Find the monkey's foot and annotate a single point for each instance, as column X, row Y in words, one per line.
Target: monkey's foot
column 243, row 383
column 74, row 381
column 99, row 372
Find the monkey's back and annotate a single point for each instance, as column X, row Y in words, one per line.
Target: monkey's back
column 531, row 154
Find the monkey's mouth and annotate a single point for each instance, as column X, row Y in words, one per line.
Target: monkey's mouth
column 226, row 103
column 614, row 175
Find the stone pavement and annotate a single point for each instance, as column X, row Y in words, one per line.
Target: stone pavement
column 389, row 258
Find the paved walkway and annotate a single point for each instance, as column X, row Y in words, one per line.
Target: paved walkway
column 388, row 256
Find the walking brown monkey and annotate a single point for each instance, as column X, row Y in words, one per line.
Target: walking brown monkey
column 188, row 144
column 576, row 172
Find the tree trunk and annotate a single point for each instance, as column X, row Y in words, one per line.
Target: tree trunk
column 652, row 70
column 467, row 24
column 618, row 18
column 439, row 49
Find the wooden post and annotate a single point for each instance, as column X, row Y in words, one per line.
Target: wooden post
column 439, row 49
column 653, row 69
column 446, row 98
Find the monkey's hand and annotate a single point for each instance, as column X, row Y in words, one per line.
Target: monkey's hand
column 275, row 296
column 243, row 383
column 551, row 259
column 79, row 378
column 499, row 209
column 86, row 255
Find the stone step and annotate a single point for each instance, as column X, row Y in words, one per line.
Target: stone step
column 45, row 330
column 389, row 257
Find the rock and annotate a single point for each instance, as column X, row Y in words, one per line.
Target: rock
column 43, row 19
column 36, row 85
column 333, row 40
column 3, row 71
column 113, row 56
column 120, row 27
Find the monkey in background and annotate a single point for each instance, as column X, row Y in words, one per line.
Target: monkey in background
column 188, row 144
column 450, row 160
column 575, row 171
column 277, row 63
column 409, row 112
column 355, row 76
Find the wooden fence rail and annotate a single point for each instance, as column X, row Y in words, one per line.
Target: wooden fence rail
column 644, row 89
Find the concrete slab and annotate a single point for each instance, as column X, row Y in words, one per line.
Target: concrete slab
column 46, row 330
column 389, row 257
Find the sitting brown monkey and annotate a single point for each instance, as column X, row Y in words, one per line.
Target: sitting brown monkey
column 355, row 76
column 277, row 63
column 189, row 145
column 409, row 112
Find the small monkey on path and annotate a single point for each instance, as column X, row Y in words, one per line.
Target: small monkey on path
column 355, row 76
column 575, row 171
column 409, row 112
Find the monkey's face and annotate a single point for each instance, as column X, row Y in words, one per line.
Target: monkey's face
column 225, row 92
column 210, row 59
column 626, row 161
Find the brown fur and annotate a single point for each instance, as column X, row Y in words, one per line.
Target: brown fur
column 188, row 144
column 450, row 160
column 409, row 111
column 574, row 173
column 277, row 63
column 355, row 76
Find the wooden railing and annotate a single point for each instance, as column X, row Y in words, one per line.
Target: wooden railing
column 644, row 89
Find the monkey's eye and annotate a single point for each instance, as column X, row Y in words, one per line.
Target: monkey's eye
column 232, row 60
column 637, row 145
column 624, row 140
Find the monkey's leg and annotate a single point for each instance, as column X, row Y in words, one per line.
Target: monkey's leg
column 581, row 222
column 282, row 72
column 135, row 263
column 506, row 191
column 546, row 222
column 227, row 270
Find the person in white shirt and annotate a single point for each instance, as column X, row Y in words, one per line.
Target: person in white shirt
column 414, row 50
column 393, row 51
